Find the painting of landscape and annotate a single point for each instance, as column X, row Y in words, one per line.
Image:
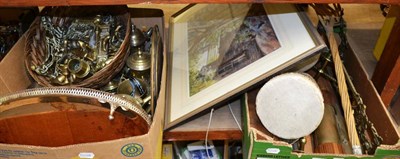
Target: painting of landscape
column 221, row 45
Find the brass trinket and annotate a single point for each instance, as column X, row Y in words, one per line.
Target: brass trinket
column 133, row 87
column 137, row 37
column 140, row 63
column 78, row 67
column 78, row 47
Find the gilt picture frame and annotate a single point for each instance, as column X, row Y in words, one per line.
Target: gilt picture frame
column 219, row 50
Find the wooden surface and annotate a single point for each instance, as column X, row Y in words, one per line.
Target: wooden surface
column 222, row 127
column 109, row 2
column 376, row 110
column 395, row 110
column 327, row 135
column 386, row 77
column 200, row 135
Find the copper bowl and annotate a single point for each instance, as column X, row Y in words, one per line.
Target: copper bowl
column 59, row 116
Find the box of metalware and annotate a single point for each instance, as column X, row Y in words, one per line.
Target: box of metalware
column 19, row 120
column 260, row 143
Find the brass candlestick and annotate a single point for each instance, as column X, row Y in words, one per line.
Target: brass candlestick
column 140, row 62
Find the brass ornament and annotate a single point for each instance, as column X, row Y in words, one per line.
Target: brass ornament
column 78, row 67
column 82, row 45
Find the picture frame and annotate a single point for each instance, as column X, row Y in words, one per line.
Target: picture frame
column 219, row 50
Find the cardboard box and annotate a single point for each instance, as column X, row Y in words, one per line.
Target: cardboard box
column 13, row 77
column 258, row 144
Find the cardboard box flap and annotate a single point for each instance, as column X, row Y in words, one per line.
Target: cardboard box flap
column 259, row 140
column 13, row 74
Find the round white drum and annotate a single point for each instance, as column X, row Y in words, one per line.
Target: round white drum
column 290, row 105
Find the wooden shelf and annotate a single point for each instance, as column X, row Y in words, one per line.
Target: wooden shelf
column 225, row 128
column 222, row 127
column 200, row 135
column 14, row 3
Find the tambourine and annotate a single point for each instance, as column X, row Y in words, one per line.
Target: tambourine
column 59, row 116
column 290, row 105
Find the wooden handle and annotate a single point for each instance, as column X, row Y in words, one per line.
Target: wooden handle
column 327, row 134
column 331, row 103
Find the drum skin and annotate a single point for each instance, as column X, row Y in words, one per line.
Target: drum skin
column 290, row 105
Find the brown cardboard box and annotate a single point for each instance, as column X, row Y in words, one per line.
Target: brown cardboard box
column 259, row 143
column 13, row 77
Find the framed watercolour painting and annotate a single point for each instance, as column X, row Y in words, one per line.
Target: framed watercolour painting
column 218, row 50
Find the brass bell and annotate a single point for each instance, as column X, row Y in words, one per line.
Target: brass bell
column 78, row 67
column 139, row 60
column 71, row 78
column 63, row 69
column 110, row 86
column 134, row 87
column 60, row 79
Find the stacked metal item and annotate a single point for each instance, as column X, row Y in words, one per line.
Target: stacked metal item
column 136, row 81
column 66, row 48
